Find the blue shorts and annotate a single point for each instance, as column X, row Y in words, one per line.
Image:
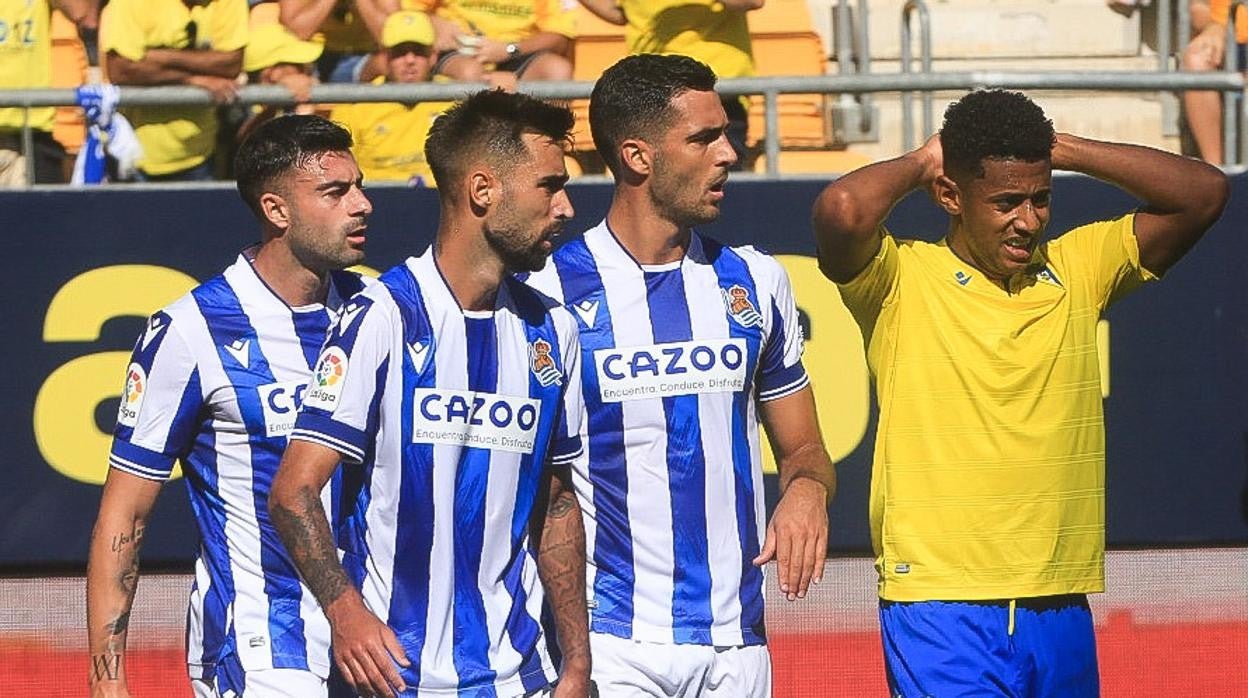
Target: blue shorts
column 1027, row 648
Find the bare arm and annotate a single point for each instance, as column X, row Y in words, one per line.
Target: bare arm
column 221, row 64
column 147, row 72
column 607, row 10
column 365, row 649
column 849, row 212
column 113, row 574
column 304, row 17
column 559, row 539
column 493, row 51
column 374, row 13
column 1182, row 196
column 797, row 535
column 743, row 5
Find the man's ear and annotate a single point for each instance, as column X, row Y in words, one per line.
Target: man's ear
column 275, row 209
column 636, row 156
column 947, row 194
column 482, row 190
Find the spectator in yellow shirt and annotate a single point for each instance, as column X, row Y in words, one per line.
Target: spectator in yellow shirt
column 390, row 137
column 26, row 62
column 350, row 29
column 712, row 31
column 175, row 42
column 275, row 56
column 502, row 41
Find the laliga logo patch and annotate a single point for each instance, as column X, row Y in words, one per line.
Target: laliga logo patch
column 132, row 398
column 327, row 379
column 542, row 364
column 737, row 301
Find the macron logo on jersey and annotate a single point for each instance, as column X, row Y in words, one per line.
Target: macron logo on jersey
column 132, row 397
column 675, row 368
column 417, row 351
column 479, row 420
column 349, row 314
column 588, row 310
column 281, row 403
column 327, row 379
column 155, row 324
column 239, row 349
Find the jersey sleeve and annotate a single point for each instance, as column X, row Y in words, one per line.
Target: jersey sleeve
column 566, row 445
column 341, row 403
column 874, row 287
column 229, row 26
column 781, row 369
column 160, row 403
column 121, row 29
column 1107, row 255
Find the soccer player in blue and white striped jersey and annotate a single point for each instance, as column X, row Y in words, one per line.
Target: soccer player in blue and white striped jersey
column 686, row 343
column 451, row 393
column 215, row 382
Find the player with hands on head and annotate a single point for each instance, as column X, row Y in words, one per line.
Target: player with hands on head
column 988, row 483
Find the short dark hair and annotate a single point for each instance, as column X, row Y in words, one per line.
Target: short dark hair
column 994, row 124
column 633, row 98
column 490, row 124
column 279, row 146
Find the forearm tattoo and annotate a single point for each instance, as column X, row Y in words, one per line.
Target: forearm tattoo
column 561, row 566
column 311, row 545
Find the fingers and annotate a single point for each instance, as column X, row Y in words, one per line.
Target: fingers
column 394, row 647
column 785, row 563
column 385, row 676
column 821, row 554
column 769, row 548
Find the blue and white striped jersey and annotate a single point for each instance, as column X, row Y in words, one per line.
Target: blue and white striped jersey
column 448, row 419
column 673, row 359
column 215, row 381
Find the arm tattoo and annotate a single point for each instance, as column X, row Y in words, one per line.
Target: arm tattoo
column 561, row 566
column 119, row 625
column 105, row 667
column 311, row 545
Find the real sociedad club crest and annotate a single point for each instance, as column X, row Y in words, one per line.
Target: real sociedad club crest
column 543, row 364
column 737, row 302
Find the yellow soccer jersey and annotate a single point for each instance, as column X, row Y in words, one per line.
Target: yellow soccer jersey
column 390, row 137
column 25, row 58
column 988, row 480
column 173, row 138
column 504, row 20
column 701, row 29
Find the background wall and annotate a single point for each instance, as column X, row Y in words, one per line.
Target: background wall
column 85, row 268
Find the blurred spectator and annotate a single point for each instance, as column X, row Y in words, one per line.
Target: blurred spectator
column 175, row 42
column 712, row 31
column 351, row 30
column 26, row 62
column 390, row 137
column 275, row 56
column 502, row 41
column 1207, row 51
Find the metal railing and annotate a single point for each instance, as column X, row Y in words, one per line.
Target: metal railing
column 925, row 57
column 1233, row 145
column 1228, row 82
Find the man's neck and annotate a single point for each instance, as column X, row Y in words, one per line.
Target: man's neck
column 644, row 233
column 472, row 270
column 294, row 283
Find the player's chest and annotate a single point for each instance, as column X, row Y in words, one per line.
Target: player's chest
column 258, row 382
